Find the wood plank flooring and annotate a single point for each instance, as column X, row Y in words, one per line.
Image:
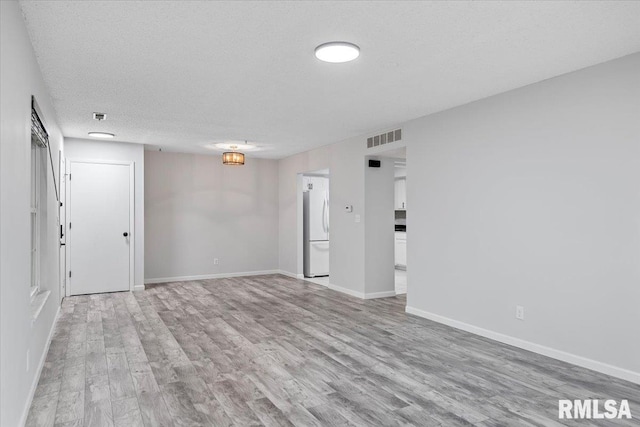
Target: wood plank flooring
column 275, row 351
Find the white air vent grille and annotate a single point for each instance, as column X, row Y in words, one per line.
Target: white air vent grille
column 384, row 138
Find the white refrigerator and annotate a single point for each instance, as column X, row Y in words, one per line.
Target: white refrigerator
column 316, row 232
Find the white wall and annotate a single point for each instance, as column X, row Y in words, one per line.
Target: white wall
column 85, row 149
column 379, row 239
column 197, row 209
column 346, row 185
column 290, row 204
column 532, row 198
column 20, row 79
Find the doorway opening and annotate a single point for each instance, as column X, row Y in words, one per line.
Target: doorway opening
column 386, row 207
column 314, row 226
column 400, row 224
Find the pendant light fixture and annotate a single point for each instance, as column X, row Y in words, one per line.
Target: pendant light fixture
column 233, row 157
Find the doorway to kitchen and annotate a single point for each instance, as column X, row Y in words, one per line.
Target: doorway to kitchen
column 314, row 226
column 386, row 207
column 400, row 224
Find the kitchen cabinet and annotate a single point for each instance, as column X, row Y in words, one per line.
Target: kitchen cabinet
column 400, row 194
column 401, row 250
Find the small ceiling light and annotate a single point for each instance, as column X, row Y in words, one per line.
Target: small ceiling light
column 104, row 135
column 233, row 158
column 226, row 146
column 337, row 52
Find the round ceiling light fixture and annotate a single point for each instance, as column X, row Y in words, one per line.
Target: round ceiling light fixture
column 104, row 135
column 226, row 146
column 337, row 52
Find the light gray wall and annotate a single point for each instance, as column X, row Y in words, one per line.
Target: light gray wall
column 84, row 149
column 346, row 186
column 290, row 204
column 20, row 78
column 197, row 209
column 527, row 198
column 532, row 198
column 379, row 239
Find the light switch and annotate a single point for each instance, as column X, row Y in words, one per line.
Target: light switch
column 357, row 218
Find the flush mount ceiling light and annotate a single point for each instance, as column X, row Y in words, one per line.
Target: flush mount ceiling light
column 104, row 135
column 337, row 52
column 234, row 145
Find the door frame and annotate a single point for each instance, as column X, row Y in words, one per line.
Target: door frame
column 132, row 234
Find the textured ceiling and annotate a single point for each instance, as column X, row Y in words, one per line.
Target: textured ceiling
column 182, row 75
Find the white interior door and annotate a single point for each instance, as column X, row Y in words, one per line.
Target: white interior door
column 62, row 223
column 100, row 227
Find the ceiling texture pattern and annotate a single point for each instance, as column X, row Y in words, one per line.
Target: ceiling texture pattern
column 185, row 75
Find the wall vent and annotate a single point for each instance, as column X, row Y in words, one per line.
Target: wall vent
column 384, row 138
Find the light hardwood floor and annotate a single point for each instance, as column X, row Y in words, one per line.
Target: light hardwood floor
column 271, row 350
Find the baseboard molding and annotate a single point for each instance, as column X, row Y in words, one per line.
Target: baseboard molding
column 36, row 379
column 385, row 294
column 289, row 274
column 347, row 291
column 208, row 276
column 583, row 362
column 138, row 288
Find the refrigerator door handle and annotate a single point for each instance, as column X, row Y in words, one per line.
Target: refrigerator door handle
column 325, row 213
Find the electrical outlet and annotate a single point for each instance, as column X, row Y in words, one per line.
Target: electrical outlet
column 216, row 261
column 519, row 312
column 357, row 218
column 28, row 360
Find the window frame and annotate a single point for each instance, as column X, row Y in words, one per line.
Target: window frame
column 35, row 218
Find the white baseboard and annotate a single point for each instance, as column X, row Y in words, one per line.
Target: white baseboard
column 347, row 291
column 138, row 288
column 385, row 294
column 36, row 379
column 594, row 365
column 289, row 274
column 208, row 276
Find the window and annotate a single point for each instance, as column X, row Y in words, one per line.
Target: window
column 38, row 169
column 35, row 217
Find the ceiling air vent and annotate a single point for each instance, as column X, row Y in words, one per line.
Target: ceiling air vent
column 384, row 138
column 99, row 116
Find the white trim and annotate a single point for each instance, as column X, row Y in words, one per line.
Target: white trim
column 347, row 291
column 340, row 289
column 68, row 218
column 208, row 276
column 385, row 294
column 132, row 225
column 289, row 274
column 138, row 288
column 36, row 379
column 584, row 362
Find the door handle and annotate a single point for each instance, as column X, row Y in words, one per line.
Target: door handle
column 125, row 234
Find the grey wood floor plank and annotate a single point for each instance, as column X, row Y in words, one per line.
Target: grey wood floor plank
column 126, row 413
column 276, row 351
